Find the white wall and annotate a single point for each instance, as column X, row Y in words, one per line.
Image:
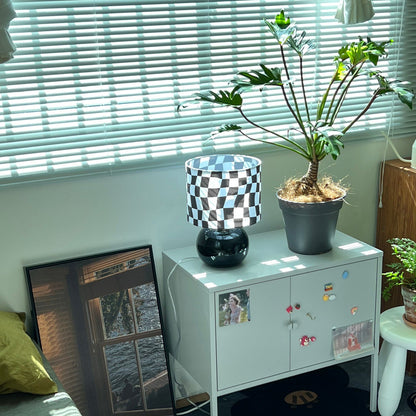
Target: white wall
column 52, row 221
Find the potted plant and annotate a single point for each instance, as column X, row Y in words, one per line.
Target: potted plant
column 317, row 130
column 403, row 274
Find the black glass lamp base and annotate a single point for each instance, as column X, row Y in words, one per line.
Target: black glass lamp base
column 222, row 248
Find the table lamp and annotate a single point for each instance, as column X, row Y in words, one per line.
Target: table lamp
column 223, row 196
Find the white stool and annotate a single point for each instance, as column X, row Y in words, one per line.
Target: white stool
column 398, row 338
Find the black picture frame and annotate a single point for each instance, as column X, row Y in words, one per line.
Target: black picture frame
column 98, row 321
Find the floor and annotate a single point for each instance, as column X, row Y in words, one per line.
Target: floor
column 358, row 372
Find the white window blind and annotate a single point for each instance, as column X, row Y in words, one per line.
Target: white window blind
column 94, row 85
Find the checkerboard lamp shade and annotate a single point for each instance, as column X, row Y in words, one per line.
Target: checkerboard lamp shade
column 223, row 191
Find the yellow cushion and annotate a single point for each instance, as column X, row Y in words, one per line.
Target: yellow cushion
column 21, row 367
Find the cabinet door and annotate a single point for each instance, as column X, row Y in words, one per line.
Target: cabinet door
column 327, row 299
column 257, row 348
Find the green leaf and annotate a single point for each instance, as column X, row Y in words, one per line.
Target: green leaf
column 229, row 127
column 299, row 44
column 245, row 81
column 364, row 50
column 340, row 71
column 281, row 20
column 330, row 138
column 224, row 98
column 404, row 94
column 281, row 34
column 224, row 128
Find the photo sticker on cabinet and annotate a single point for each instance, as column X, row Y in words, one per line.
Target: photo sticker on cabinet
column 234, row 307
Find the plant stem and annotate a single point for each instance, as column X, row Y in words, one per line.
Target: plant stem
column 303, row 88
column 312, row 175
column 336, row 92
column 370, row 103
column 298, row 116
column 324, row 98
column 301, row 150
column 344, row 94
column 300, row 153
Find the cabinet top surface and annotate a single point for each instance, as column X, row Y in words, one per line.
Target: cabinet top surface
column 397, row 163
column 268, row 255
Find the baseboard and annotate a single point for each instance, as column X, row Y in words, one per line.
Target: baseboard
column 197, row 398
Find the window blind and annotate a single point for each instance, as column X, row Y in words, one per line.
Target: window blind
column 94, row 85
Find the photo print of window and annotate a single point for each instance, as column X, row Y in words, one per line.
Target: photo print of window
column 234, row 307
column 98, row 323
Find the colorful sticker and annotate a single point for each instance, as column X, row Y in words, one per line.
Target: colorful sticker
column 328, row 287
column 305, row 340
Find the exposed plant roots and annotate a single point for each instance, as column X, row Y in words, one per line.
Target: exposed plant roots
column 299, row 190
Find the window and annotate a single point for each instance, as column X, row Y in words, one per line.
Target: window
column 94, row 84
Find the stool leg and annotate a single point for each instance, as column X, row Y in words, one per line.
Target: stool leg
column 382, row 358
column 391, row 385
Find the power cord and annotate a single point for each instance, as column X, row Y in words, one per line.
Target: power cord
column 387, row 135
column 180, row 385
column 395, row 150
column 388, row 142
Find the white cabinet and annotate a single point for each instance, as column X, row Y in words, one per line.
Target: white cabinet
column 296, row 305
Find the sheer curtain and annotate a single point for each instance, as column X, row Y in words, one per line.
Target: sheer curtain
column 94, row 85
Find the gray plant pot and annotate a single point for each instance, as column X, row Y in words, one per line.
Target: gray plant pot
column 310, row 226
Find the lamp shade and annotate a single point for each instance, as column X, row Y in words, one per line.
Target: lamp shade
column 354, row 11
column 223, row 191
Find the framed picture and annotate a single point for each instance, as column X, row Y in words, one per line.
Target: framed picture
column 98, row 323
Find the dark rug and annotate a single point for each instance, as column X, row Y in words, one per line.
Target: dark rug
column 411, row 401
column 317, row 393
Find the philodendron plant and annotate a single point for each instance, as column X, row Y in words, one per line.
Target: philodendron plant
column 318, row 124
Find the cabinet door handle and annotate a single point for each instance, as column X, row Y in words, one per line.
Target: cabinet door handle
column 292, row 325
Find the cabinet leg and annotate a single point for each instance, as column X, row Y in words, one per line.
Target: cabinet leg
column 392, row 379
column 213, row 405
column 373, row 382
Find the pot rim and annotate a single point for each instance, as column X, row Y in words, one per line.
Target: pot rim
column 408, row 288
column 311, row 202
